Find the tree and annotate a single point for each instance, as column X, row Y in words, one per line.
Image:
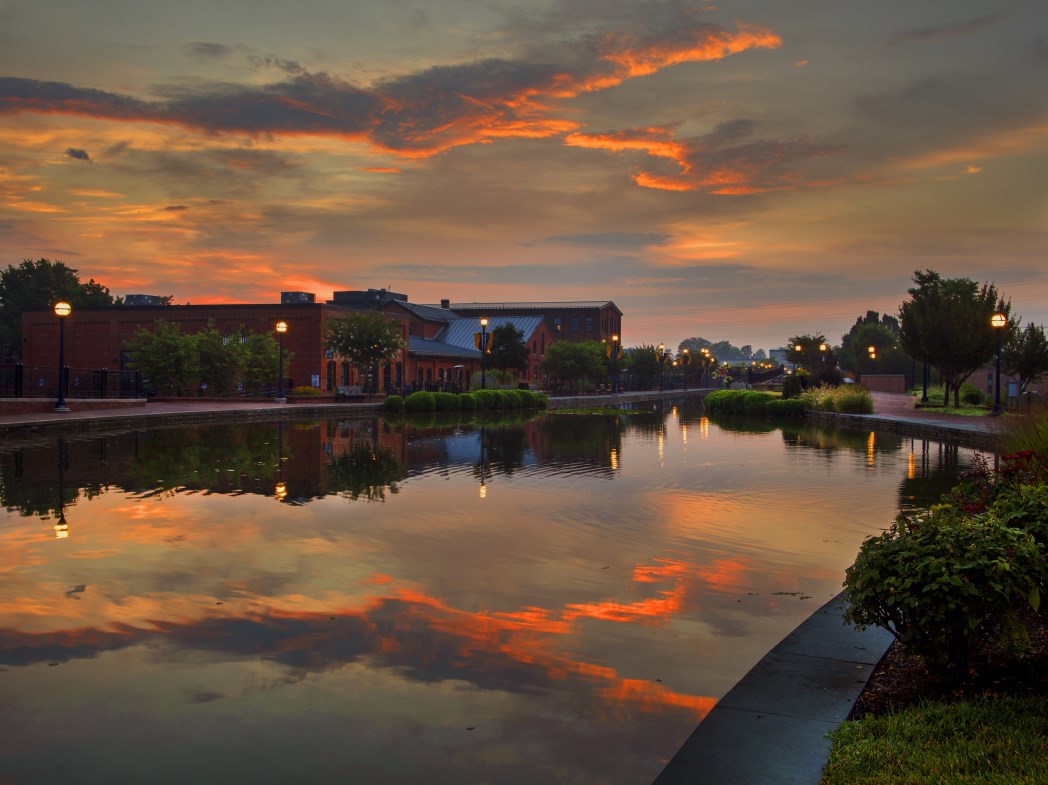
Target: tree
column 260, row 361
column 946, row 323
column 365, row 339
column 218, row 359
column 643, row 362
column 1025, row 354
column 574, row 361
column 166, row 357
column 506, row 349
column 40, row 284
column 881, row 332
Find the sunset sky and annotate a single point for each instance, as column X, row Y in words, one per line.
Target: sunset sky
column 743, row 171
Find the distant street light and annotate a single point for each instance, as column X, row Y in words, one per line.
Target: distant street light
column 685, row 361
column 483, row 353
column 615, row 363
column 62, row 310
column 662, row 362
column 281, row 329
column 998, row 322
column 873, row 358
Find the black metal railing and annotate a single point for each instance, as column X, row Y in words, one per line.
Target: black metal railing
column 31, row 381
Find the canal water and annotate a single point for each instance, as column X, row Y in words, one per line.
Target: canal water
column 558, row 599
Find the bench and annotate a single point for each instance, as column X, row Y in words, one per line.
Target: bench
column 351, row 392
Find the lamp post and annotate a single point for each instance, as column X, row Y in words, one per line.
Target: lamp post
column 998, row 322
column 873, row 358
column 484, row 353
column 62, row 310
column 281, row 329
column 615, row 363
column 662, row 364
column 799, row 350
column 685, row 361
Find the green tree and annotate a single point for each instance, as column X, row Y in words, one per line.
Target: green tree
column 881, row 332
column 260, row 361
column 365, row 339
column 218, row 359
column 574, row 361
column 1024, row 354
column 946, row 323
column 643, row 362
column 507, row 350
column 40, row 284
column 166, row 357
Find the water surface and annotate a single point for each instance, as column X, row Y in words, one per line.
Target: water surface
column 556, row 601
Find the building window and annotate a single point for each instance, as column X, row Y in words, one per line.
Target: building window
column 574, row 324
column 556, row 323
column 589, row 324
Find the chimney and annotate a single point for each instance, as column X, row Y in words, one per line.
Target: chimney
column 445, row 304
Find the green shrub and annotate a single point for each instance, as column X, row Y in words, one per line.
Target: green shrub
column 852, row 399
column 487, row 399
column 1027, row 431
column 971, row 395
column 1024, row 507
column 944, row 583
column 792, row 385
column 393, row 403
column 303, row 389
column 781, row 407
column 420, row 401
column 819, row 399
column 724, row 402
column 446, row 402
column 514, row 399
column 468, row 402
column 754, row 404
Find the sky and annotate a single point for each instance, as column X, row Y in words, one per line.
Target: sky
column 745, row 171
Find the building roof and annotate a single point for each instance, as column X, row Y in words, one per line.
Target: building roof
column 459, row 332
column 428, row 312
column 532, row 306
column 426, row 347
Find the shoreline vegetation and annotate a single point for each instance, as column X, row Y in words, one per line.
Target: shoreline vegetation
column 962, row 694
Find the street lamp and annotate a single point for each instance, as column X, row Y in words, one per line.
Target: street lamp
column 873, row 358
column 615, row 363
column 662, row 363
column 62, row 310
column 281, row 329
column 685, row 361
column 483, row 353
column 997, row 322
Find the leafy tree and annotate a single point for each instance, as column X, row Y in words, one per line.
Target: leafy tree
column 166, row 357
column 365, row 339
column 946, row 323
column 1025, row 354
column 260, row 361
column 507, row 349
column 40, row 284
column 574, row 361
column 878, row 331
column 643, row 362
column 218, row 359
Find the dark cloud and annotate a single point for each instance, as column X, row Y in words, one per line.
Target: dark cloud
column 287, row 66
column 956, row 30
column 175, row 208
column 78, row 154
column 208, row 50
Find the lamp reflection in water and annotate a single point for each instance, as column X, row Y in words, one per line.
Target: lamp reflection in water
column 481, row 468
column 61, row 526
column 280, row 487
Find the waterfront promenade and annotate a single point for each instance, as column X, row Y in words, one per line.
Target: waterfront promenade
column 772, row 726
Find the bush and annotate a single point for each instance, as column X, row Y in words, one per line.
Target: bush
column 487, row 399
column 792, row 385
column 303, row 390
column 446, row 402
column 468, row 402
column 853, row 399
column 420, row 401
column 1028, row 432
column 754, row 404
column 393, row 403
column 971, row 395
column 1024, row 507
column 781, row 407
column 943, row 583
column 512, row 399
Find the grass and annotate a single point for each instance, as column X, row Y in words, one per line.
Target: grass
column 1002, row 741
column 936, row 403
column 845, row 398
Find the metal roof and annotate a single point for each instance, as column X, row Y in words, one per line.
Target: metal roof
column 425, row 347
column 430, row 312
column 459, row 332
